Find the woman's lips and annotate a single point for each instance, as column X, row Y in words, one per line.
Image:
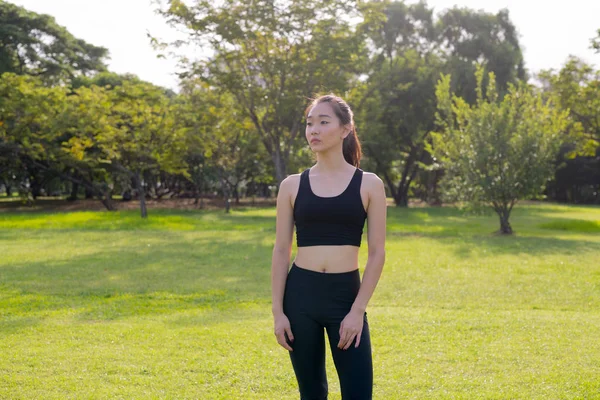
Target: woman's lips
column 315, row 141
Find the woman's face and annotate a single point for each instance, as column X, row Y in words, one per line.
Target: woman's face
column 324, row 130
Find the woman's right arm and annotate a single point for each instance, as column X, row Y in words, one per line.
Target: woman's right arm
column 282, row 252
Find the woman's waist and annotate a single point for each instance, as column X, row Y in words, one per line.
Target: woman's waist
column 328, row 259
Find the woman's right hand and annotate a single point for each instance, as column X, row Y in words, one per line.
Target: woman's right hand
column 283, row 328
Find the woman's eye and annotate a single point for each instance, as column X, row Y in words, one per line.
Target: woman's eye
column 308, row 124
column 324, row 122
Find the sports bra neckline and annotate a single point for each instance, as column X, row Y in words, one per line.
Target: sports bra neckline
column 329, row 197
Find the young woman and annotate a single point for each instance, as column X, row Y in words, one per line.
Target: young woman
column 329, row 204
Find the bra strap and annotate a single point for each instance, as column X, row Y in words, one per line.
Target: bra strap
column 356, row 180
column 304, row 183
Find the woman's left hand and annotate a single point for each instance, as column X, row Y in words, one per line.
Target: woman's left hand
column 350, row 328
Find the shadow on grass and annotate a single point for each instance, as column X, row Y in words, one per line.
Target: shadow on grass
column 526, row 245
column 468, row 233
column 572, row 225
column 167, row 220
column 179, row 275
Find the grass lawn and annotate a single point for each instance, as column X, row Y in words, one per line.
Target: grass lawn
column 100, row 305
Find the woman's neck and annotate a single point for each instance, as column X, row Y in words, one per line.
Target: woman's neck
column 332, row 161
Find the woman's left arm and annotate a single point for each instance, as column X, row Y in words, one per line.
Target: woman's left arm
column 376, row 217
column 351, row 327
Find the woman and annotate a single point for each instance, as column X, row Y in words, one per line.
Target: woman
column 329, row 204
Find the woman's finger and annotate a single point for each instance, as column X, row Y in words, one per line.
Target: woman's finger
column 288, row 331
column 358, row 339
column 345, row 338
column 281, row 340
column 349, row 342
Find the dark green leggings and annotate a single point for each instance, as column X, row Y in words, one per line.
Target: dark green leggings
column 315, row 301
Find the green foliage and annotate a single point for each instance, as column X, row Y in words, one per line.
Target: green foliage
column 470, row 38
column 395, row 116
column 270, row 56
column 35, row 44
column 408, row 51
column 496, row 151
column 28, row 111
column 221, row 139
column 596, row 42
column 576, row 87
column 145, row 135
column 28, row 132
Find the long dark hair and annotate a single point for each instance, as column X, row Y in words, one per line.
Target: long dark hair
column 351, row 146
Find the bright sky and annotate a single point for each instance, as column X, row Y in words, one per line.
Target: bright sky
column 550, row 30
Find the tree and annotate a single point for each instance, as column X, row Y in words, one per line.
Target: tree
column 84, row 129
column 28, row 111
column 576, row 88
column 468, row 38
column 496, row 152
column 408, row 50
column 144, row 136
column 46, row 133
column 270, row 56
column 395, row 118
column 220, row 140
column 34, row 44
column 128, row 131
column 596, row 42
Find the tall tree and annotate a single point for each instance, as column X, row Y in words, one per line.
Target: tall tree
column 272, row 55
column 84, row 131
column 28, row 111
column 468, row 38
column 395, row 117
column 44, row 132
column 496, row 152
column 409, row 50
column 145, row 136
column 34, row 44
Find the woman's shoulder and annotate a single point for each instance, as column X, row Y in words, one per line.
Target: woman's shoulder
column 291, row 179
column 371, row 178
column 290, row 183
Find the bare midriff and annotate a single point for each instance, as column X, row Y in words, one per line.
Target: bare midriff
column 328, row 259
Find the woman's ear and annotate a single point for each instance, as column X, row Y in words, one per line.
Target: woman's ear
column 347, row 130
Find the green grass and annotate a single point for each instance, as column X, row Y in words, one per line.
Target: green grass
column 106, row 305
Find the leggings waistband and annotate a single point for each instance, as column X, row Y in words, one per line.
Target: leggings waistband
column 317, row 273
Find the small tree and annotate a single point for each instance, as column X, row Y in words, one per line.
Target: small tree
column 496, row 151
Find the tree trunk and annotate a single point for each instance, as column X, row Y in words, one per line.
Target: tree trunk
column 103, row 192
column 36, row 187
column 280, row 167
column 401, row 197
column 8, row 190
column 74, row 190
column 504, row 214
column 225, row 188
column 236, row 193
column 89, row 194
column 196, row 195
column 141, row 194
column 433, row 194
column 106, row 199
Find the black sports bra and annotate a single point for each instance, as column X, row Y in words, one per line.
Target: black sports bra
column 337, row 220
